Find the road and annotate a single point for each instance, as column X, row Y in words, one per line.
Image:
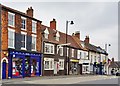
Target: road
column 87, row 79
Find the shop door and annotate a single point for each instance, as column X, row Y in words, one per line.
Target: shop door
column 55, row 67
column 27, row 67
column 35, row 67
column 80, row 68
column 4, row 70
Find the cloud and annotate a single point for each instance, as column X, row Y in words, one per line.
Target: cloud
column 98, row 19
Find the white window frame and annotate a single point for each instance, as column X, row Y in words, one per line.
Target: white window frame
column 25, row 23
column 24, row 33
column 34, row 31
column 57, row 38
column 61, row 51
column 51, row 65
column 13, row 38
column 46, row 33
column 72, row 52
column 48, row 44
column 67, row 51
column 61, row 67
column 9, row 13
column 35, row 41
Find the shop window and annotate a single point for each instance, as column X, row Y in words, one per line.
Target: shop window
column 23, row 23
column 34, row 26
column 11, row 38
column 17, row 67
column 23, row 40
column 85, row 69
column 33, row 42
column 11, row 19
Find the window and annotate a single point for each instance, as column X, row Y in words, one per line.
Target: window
column 11, row 38
column 34, row 26
column 91, row 59
column 11, row 19
column 57, row 36
column 46, row 33
column 49, row 48
column 72, row 52
column 61, row 51
column 67, row 52
column 23, row 23
column 48, row 63
column 33, row 42
column 61, row 64
column 80, row 55
column 95, row 59
column 23, row 40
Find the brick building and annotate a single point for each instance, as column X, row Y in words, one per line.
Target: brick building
column 30, row 48
column 21, row 43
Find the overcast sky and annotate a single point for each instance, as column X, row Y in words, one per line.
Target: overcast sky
column 99, row 20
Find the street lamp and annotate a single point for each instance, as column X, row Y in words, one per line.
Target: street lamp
column 67, row 59
column 106, row 49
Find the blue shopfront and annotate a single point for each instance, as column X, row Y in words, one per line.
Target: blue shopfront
column 98, row 68
column 23, row 64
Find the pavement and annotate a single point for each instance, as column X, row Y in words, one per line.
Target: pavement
column 68, row 79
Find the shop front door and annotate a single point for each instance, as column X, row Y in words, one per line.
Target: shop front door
column 4, row 70
column 27, row 67
column 35, row 66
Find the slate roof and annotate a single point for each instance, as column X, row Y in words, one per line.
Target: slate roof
column 96, row 49
column 62, row 40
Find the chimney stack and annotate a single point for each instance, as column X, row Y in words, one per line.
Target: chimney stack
column 77, row 34
column 87, row 40
column 53, row 24
column 29, row 12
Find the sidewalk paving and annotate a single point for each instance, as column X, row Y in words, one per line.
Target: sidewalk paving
column 44, row 77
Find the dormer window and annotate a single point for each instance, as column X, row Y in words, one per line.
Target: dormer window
column 46, row 33
column 57, row 36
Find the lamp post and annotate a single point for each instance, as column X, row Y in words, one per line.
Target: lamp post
column 67, row 59
column 106, row 47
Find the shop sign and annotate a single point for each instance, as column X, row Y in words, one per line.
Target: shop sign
column 73, row 60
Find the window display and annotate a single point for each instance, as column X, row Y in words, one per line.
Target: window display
column 17, row 67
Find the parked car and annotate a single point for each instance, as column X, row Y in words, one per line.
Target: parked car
column 118, row 74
